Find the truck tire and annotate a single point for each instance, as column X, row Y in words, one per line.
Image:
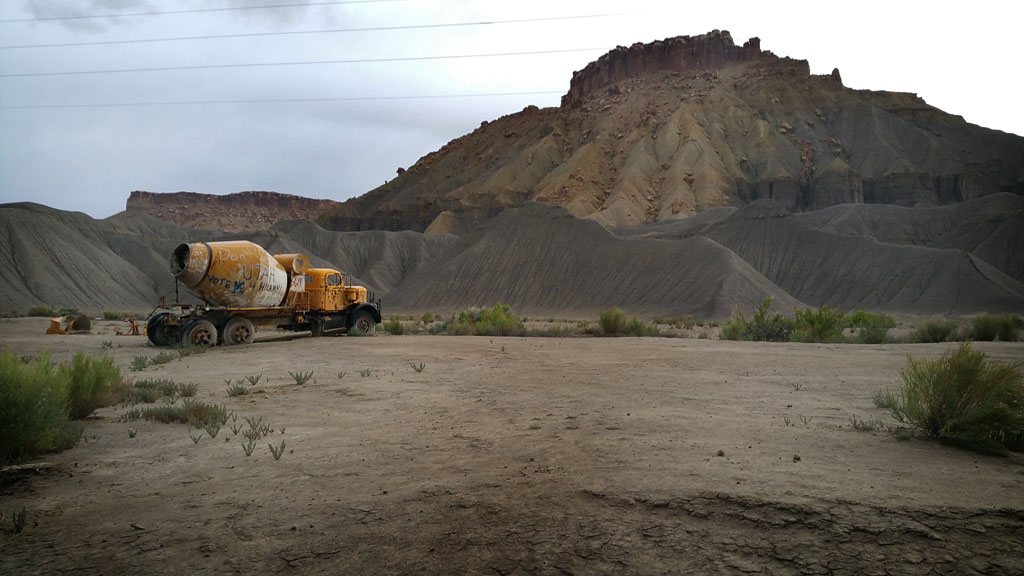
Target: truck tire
column 199, row 333
column 363, row 320
column 155, row 329
column 239, row 330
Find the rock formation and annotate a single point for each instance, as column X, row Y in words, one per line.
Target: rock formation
column 238, row 212
column 666, row 130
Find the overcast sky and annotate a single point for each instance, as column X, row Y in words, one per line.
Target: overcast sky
column 962, row 57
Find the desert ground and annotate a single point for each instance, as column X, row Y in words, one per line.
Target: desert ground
column 516, row 456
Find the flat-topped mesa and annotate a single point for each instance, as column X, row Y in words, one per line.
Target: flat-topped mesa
column 238, row 212
column 709, row 51
column 140, row 199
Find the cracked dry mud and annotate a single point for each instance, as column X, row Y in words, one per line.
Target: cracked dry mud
column 519, row 456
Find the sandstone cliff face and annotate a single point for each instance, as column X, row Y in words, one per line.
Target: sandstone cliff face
column 666, row 130
column 240, row 212
column 708, row 52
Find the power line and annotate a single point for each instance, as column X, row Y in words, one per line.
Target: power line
column 307, row 32
column 298, row 63
column 276, row 100
column 193, row 11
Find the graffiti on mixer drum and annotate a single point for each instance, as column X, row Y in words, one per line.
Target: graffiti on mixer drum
column 234, row 254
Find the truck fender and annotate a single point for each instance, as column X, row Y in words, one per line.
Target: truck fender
column 361, row 306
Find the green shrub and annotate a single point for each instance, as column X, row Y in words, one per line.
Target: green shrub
column 91, row 383
column 498, row 320
column 42, row 310
column 494, row 321
column 33, row 407
column 427, row 317
column 394, row 326
column 760, row 328
column 637, row 327
column 823, row 324
column 988, row 327
column 934, row 331
column 612, row 321
column 735, row 328
column 962, row 399
column 871, row 328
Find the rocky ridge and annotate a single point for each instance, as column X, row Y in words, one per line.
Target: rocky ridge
column 239, row 212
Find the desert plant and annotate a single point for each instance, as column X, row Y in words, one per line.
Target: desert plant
column 637, row 327
column 132, row 432
column 237, row 389
column 248, row 446
column 195, row 437
column 42, row 310
column 962, row 399
column 33, row 407
column 107, row 344
column 91, row 383
column 139, row 363
column 276, row 451
column 824, row 324
column 150, row 390
column 366, row 372
column 186, row 390
column 254, row 380
column 212, row 427
column 162, row 358
column 427, row 317
column 862, row 425
column 871, row 328
column 612, row 321
column 934, row 331
column 301, row 377
column 760, row 327
column 186, row 350
column 418, row 367
column 394, row 326
column 989, row 327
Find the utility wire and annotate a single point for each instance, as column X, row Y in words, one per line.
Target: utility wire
column 306, row 32
column 193, row 11
column 276, row 100
column 300, row 63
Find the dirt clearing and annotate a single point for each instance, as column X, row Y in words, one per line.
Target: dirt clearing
column 517, row 456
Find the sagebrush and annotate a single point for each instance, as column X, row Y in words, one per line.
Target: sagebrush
column 962, row 399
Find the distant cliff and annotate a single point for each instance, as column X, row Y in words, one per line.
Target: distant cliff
column 239, row 212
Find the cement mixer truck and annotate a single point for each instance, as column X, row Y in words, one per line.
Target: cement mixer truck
column 245, row 288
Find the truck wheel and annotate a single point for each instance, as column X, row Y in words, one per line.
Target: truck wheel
column 363, row 321
column 155, row 329
column 239, row 330
column 199, row 333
